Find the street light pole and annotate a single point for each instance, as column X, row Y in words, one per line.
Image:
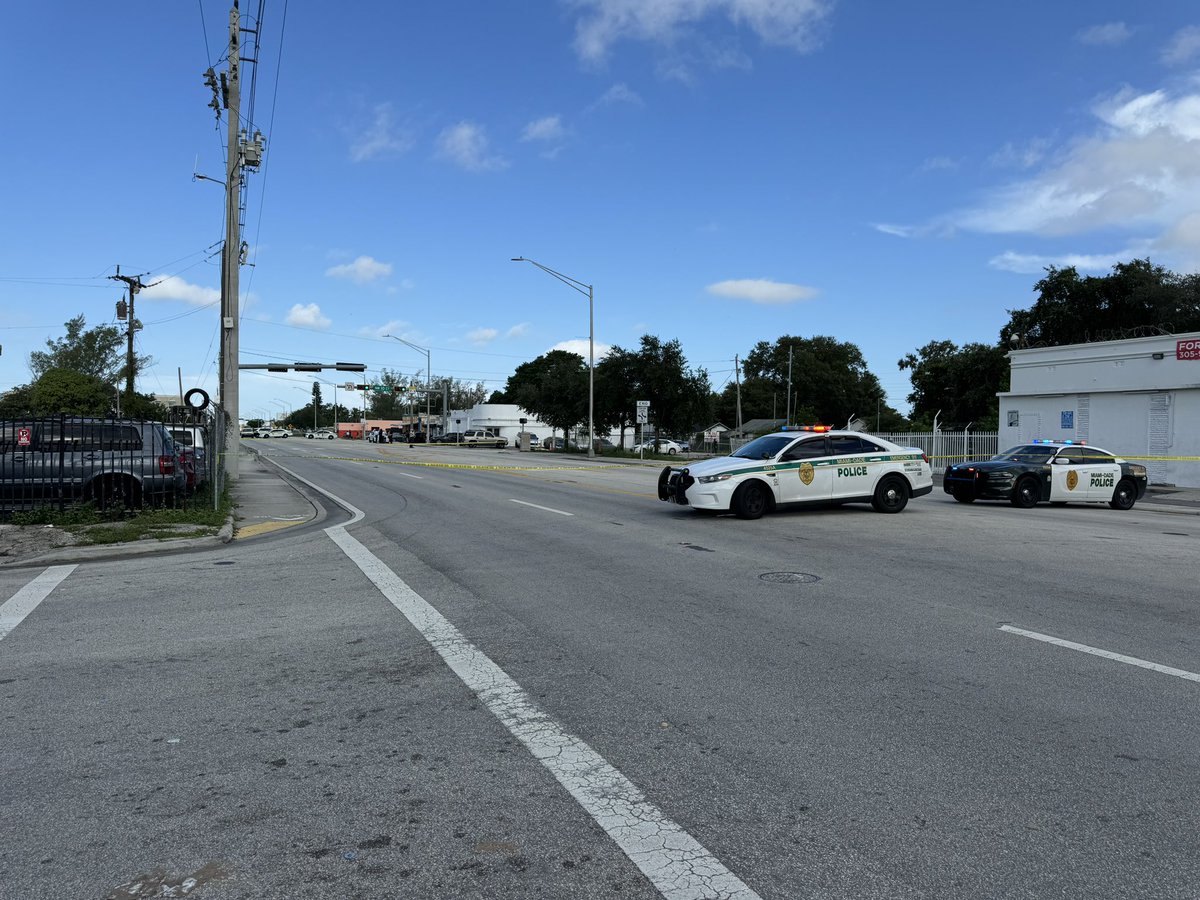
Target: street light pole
column 428, row 379
column 579, row 286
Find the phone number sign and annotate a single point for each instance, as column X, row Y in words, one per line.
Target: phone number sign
column 1187, row 349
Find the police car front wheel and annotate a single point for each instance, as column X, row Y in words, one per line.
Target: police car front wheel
column 750, row 501
column 1027, row 493
column 1124, row 496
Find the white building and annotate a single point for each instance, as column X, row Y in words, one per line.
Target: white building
column 1139, row 398
column 503, row 418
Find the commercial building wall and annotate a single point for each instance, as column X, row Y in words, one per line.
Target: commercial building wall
column 1139, row 398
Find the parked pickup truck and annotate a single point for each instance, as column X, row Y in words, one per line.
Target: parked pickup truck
column 481, row 438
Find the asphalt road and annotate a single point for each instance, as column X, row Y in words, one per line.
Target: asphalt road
column 529, row 678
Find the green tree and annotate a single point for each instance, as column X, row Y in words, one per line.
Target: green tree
column 97, row 352
column 680, row 398
column 71, row 393
column 1136, row 298
column 463, row 394
column 554, row 387
column 617, row 375
column 17, row 402
column 830, row 379
column 960, row 383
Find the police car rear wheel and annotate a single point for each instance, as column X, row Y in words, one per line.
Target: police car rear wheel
column 1026, row 493
column 891, row 495
column 750, row 501
column 1124, row 496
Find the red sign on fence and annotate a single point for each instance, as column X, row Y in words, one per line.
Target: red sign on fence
column 1187, row 349
column 24, row 437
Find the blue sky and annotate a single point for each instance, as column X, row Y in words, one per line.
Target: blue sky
column 722, row 171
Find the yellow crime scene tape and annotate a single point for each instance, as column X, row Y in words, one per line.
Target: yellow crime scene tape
column 1119, row 456
column 438, row 465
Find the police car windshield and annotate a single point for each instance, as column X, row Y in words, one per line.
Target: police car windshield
column 1028, row 453
column 766, row 447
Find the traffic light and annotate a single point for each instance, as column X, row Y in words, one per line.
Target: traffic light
column 363, row 387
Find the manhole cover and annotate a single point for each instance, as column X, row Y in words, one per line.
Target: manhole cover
column 789, row 578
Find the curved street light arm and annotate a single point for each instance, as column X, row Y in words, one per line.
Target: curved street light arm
column 565, row 279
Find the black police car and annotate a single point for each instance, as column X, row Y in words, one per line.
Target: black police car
column 1058, row 471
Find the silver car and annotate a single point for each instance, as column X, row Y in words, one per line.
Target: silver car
column 111, row 462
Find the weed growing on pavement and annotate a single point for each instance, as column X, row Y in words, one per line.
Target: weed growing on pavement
column 93, row 526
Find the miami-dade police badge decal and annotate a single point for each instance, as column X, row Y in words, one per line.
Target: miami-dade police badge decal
column 807, row 473
column 1072, row 480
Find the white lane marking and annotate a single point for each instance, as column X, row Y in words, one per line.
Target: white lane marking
column 407, row 475
column 674, row 861
column 26, row 600
column 1106, row 654
column 543, row 508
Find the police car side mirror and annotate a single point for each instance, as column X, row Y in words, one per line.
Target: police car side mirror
column 1061, row 461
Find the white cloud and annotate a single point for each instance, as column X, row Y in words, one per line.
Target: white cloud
column 939, row 164
column 481, row 336
column 1032, row 263
column 580, row 346
column 307, row 316
column 518, row 330
column 786, row 23
column 172, row 287
column 547, row 128
column 895, row 230
column 381, row 138
column 758, row 290
column 1109, row 34
column 618, row 93
column 362, row 271
column 1020, row 156
column 1184, row 45
column 1140, row 169
column 466, row 145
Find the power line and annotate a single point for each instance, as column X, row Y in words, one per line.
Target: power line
column 204, row 31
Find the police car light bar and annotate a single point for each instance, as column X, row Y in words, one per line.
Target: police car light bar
column 817, row 428
column 1048, row 441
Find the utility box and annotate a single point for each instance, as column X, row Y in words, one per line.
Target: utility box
column 523, row 442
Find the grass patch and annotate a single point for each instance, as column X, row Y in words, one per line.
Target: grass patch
column 93, row 526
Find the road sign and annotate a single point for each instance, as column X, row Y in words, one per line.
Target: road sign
column 643, row 404
column 349, row 386
column 24, row 437
column 642, row 417
column 381, row 388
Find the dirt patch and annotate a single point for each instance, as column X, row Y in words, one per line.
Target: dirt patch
column 20, row 541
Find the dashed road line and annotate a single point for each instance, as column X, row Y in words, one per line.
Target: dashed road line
column 678, row 866
column 26, row 600
column 1105, row 654
column 543, row 508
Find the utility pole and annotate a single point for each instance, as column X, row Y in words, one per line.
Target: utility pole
column 134, row 283
column 788, row 402
column 738, row 379
column 232, row 85
column 241, row 153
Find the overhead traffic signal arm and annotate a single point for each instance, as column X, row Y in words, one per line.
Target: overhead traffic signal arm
column 305, row 367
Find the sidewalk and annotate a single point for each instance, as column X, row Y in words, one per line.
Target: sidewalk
column 264, row 501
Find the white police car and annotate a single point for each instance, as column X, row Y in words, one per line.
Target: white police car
column 810, row 465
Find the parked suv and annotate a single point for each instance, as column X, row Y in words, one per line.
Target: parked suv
column 113, row 462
